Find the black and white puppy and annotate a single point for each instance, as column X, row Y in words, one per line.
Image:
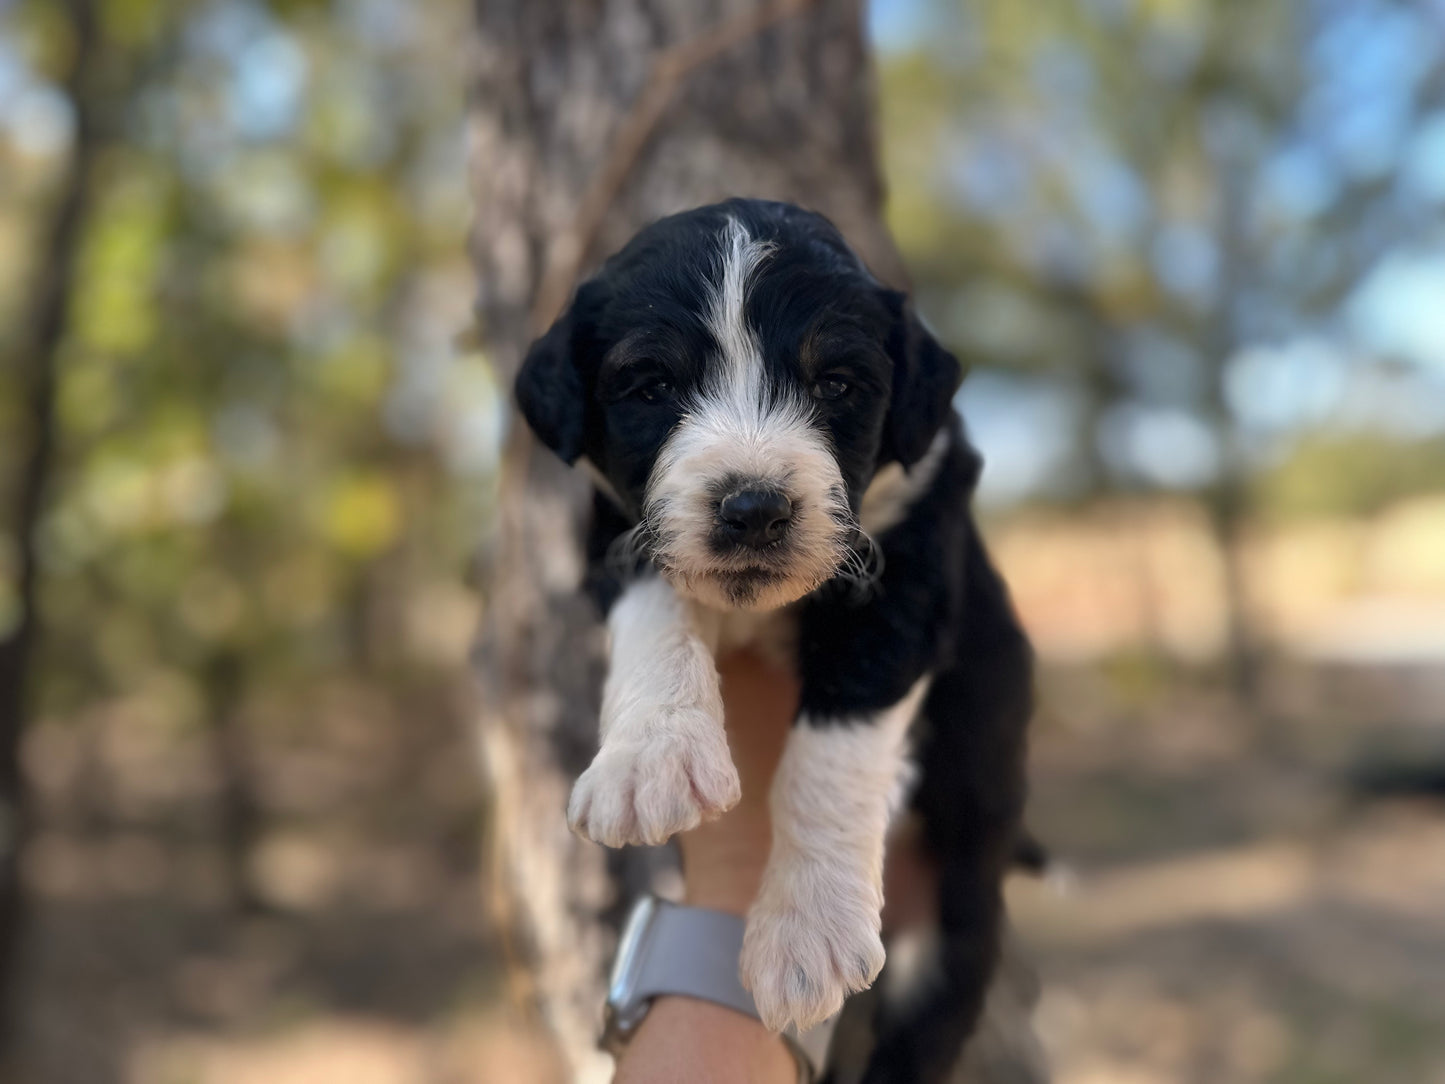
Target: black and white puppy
column 778, row 463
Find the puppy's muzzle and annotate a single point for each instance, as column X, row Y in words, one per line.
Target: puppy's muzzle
column 753, row 518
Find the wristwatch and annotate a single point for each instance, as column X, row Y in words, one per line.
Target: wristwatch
column 666, row 948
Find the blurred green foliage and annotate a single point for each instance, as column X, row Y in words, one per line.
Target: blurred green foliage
column 1153, row 227
column 1361, row 474
column 1177, row 238
column 270, row 446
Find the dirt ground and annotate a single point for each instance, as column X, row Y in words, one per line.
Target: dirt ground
column 1225, row 907
column 1231, row 907
column 363, row 957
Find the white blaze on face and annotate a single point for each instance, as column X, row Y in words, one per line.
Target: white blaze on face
column 740, row 431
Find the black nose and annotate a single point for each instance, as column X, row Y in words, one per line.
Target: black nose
column 754, row 517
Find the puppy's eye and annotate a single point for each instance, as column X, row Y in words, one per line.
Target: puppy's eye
column 830, row 387
column 654, row 391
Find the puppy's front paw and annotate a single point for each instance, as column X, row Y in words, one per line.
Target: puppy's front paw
column 647, row 792
column 811, row 940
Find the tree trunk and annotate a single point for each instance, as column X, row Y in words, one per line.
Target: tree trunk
column 224, row 678
column 35, row 366
column 1228, row 499
column 589, row 119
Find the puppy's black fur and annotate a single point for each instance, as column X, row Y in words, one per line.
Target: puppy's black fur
column 611, row 380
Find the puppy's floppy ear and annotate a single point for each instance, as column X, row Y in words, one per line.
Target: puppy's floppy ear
column 550, row 390
column 925, row 378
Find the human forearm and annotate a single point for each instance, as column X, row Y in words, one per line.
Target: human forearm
column 685, row 1039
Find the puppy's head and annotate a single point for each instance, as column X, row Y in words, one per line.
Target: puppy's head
column 735, row 377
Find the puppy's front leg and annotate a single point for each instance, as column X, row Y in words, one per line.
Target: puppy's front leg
column 664, row 765
column 813, row 934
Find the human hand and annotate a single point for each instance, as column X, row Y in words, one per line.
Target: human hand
column 722, row 861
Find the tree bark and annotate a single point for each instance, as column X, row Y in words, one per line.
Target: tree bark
column 589, row 119
column 35, row 366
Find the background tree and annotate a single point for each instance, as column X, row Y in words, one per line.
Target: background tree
column 589, row 121
column 231, row 273
column 36, row 363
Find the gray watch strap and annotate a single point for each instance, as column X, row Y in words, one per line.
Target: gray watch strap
column 668, row 949
column 689, row 951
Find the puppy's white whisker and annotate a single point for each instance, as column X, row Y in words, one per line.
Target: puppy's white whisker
column 863, row 566
column 864, row 560
column 628, row 550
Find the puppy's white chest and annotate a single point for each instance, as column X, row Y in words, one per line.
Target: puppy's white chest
column 773, row 634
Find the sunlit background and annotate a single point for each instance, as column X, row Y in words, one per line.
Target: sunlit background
column 1195, row 256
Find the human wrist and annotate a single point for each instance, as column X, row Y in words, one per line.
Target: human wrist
column 723, row 867
column 723, row 860
column 722, row 863
column 682, row 1038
